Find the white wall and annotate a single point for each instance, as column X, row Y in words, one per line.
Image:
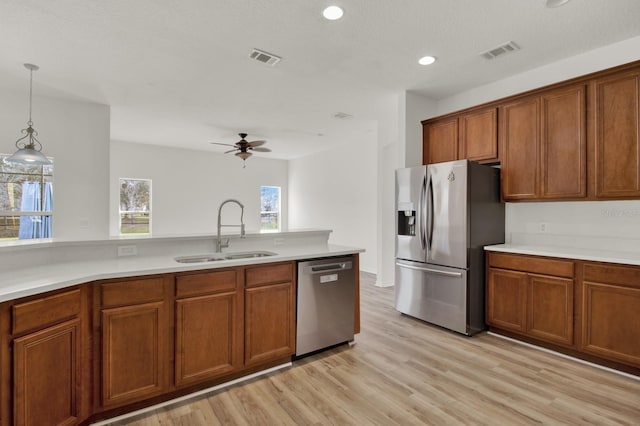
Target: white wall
column 416, row 108
column 336, row 190
column 612, row 225
column 188, row 187
column 602, row 225
column 76, row 135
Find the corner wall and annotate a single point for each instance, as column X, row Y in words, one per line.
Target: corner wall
column 336, row 190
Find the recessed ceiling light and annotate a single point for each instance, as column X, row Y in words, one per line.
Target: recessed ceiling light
column 426, row 60
column 556, row 3
column 332, row 13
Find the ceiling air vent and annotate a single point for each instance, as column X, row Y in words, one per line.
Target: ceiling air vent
column 342, row 116
column 264, row 57
column 499, row 50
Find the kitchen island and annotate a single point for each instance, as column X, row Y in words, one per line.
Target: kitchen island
column 87, row 334
column 581, row 302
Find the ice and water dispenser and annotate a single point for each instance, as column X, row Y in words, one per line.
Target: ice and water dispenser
column 406, row 219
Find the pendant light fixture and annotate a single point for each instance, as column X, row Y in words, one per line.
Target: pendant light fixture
column 28, row 146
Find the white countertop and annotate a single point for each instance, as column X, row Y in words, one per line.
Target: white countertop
column 26, row 281
column 624, row 257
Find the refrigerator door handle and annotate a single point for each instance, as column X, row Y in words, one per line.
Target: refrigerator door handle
column 421, row 215
column 433, row 271
column 430, row 212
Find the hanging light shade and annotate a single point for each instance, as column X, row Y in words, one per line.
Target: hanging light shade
column 28, row 146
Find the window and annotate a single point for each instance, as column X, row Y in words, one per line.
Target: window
column 135, row 206
column 269, row 208
column 26, row 200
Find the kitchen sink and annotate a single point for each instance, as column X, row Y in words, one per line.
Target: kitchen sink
column 223, row 256
column 249, row 254
column 199, row 258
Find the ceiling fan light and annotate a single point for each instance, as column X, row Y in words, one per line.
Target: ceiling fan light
column 243, row 155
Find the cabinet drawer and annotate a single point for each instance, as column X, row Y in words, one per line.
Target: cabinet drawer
column 132, row 292
column 209, row 282
column 536, row 265
column 46, row 311
column 612, row 274
column 269, row 274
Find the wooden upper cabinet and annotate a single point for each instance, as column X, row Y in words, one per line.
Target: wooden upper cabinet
column 520, row 147
column 563, row 156
column 617, row 136
column 440, row 141
column 478, row 135
column 543, row 146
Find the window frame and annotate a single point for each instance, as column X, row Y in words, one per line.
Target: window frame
column 278, row 211
column 121, row 212
column 42, row 180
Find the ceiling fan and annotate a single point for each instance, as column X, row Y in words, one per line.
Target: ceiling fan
column 242, row 147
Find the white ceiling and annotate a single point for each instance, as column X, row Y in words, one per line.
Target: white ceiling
column 177, row 72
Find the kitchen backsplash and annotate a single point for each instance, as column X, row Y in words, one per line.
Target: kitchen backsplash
column 605, row 225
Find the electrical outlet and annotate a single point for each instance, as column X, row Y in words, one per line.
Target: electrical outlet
column 544, row 227
column 127, row 250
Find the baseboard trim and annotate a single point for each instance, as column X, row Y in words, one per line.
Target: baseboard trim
column 561, row 355
column 192, row 395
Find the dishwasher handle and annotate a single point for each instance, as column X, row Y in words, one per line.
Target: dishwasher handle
column 321, row 269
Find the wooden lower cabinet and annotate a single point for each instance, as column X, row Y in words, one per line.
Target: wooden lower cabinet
column 537, row 305
column 45, row 376
column 269, row 313
column 550, row 309
column 135, row 326
column 527, row 302
column 595, row 315
column 610, row 306
column 507, row 299
column 46, row 369
column 209, row 326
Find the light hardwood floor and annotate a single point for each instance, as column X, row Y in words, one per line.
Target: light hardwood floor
column 404, row 372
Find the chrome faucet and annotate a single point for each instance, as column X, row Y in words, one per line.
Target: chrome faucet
column 219, row 243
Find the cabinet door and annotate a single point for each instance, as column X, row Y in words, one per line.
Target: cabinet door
column 269, row 322
column 134, row 353
column 563, row 165
column 610, row 325
column 46, row 369
column 617, row 136
column 479, row 135
column 208, row 337
column 440, row 141
column 519, row 145
column 506, row 299
column 550, row 309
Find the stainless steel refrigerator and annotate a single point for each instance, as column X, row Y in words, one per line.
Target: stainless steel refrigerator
column 445, row 214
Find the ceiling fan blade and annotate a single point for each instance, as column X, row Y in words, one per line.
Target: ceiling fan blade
column 260, row 149
column 231, row 150
column 217, row 143
column 257, row 143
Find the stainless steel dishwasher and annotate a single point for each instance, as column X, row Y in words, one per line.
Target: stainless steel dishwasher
column 326, row 303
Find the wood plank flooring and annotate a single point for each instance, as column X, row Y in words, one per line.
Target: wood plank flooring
column 404, row 372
